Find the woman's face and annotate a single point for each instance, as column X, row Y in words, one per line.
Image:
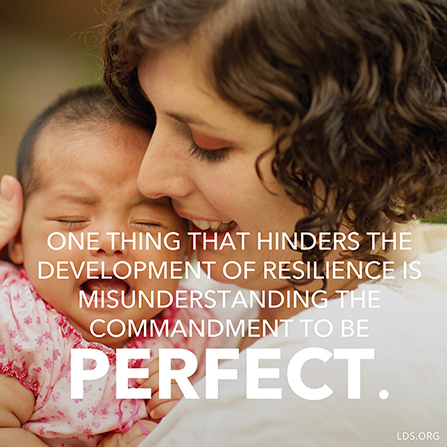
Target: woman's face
column 203, row 154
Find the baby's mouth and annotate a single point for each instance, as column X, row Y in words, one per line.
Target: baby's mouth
column 105, row 285
column 216, row 226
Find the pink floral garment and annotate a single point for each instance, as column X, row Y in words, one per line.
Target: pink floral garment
column 35, row 347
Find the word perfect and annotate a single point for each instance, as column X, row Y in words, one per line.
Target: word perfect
column 217, row 372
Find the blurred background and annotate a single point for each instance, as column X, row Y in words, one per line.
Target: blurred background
column 46, row 48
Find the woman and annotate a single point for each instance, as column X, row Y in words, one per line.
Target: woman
column 325, row 119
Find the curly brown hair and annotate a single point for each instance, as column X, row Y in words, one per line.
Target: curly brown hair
column 359, row 87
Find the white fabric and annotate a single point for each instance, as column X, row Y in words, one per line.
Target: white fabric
column 409, row 336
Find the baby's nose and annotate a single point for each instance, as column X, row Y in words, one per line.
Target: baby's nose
column 109, row 245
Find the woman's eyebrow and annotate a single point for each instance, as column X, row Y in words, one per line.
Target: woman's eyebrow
column 189, row 119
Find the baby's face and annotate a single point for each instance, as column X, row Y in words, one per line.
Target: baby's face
column 89, row 185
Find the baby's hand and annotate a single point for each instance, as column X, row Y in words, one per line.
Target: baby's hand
column 156, row 407
column 11, row 204
column 132, row 438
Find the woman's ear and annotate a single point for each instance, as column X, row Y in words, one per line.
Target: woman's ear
column 15, row 249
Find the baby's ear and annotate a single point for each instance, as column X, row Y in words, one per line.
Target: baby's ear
column 15, row 249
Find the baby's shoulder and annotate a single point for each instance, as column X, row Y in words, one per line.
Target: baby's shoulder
column 27, row 333
column 19, row 302
column 8, row 270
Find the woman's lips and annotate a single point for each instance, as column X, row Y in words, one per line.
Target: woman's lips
column 204, row 224
column 217, row 226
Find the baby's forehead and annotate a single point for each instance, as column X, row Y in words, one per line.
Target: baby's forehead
column 60, row 140
column 60, row 148
column 67, row 133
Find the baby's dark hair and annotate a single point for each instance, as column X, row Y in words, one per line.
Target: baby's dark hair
column 85, row 106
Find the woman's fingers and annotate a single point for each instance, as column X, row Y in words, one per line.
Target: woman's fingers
column 153, row 370
column 162, row 410
column 151, row 383
column 158, row 407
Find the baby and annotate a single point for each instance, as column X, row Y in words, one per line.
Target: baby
column 78, row 164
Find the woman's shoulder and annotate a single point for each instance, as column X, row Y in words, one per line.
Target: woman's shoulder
column 424, row 280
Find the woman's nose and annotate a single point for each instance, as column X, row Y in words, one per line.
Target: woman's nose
column 164, row 170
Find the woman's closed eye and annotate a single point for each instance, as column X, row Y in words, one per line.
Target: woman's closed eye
column 208, row 148
column 210, row 155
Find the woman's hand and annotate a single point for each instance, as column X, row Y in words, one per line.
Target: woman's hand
column 156, row 407
column 132, row 438
column 11, row 204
